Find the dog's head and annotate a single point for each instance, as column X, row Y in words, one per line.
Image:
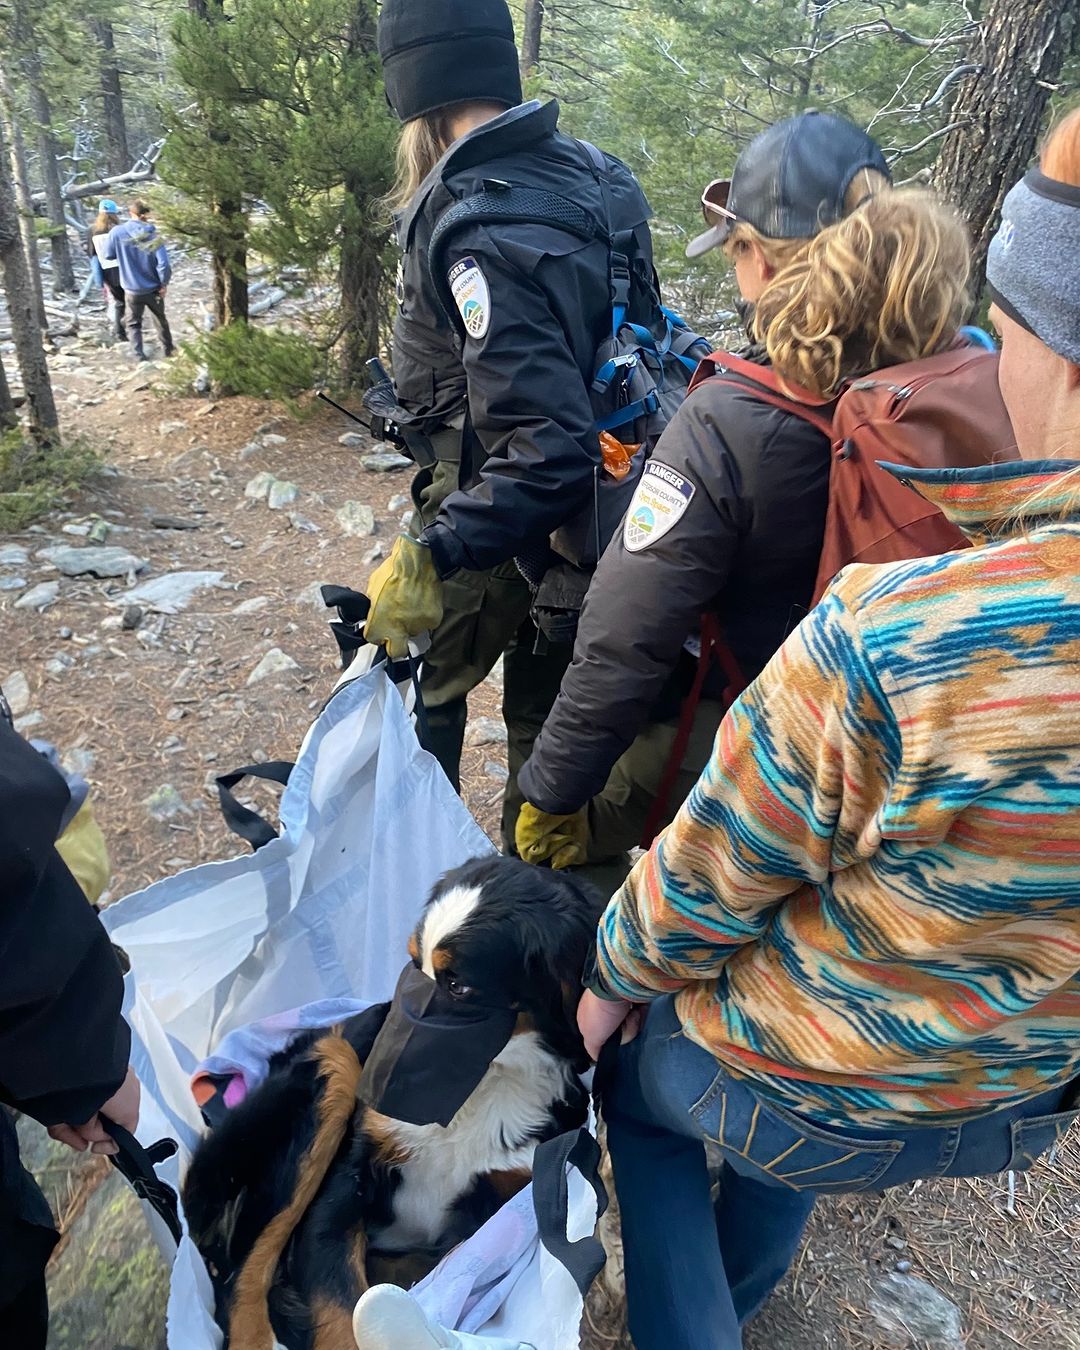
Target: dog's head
column 497, row 931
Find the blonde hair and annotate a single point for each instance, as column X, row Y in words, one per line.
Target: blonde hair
column 888, row 283
column 421, row 145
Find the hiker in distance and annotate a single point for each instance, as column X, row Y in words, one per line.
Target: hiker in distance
column 105, row 269
column 492, row 359
column 729, row 518
column 856, row 951
column 143, row 262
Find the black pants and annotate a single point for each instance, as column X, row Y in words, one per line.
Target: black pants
column 112, row 285
column 137, row 304
column 26, row 1320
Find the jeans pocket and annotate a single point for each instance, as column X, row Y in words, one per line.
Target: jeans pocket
column 785, row 1150
column 1033, row 1137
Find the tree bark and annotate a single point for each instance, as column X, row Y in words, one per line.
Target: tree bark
column 63, row 272
column 22, row 308
column 8, row 416
column 531, row 35
column 112, row 98
column 228, row 261
column 1018, row 57
column 10, row 129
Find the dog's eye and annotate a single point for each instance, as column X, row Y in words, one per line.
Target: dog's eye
column 456, row 989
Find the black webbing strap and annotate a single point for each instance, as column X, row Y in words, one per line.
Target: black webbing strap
column 136, row 1165
column 248, row 824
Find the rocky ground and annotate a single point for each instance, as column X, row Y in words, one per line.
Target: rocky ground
column 166, row 626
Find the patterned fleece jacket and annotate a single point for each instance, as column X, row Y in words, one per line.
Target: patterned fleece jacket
column 869, row 905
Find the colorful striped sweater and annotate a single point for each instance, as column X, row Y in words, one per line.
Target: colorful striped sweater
column 870, row 903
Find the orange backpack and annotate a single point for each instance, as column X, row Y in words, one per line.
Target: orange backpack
column 942, row 411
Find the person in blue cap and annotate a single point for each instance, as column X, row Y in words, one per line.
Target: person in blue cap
column 104, row 269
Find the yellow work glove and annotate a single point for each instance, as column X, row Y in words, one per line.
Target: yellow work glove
column 82, row 847
column 539, row 836
column 406, row 597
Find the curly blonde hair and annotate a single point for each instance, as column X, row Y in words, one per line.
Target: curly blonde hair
column 887, row 283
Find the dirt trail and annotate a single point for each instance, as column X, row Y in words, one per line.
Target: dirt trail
column 151, row 712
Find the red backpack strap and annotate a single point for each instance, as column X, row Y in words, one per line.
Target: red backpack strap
column 763, row 383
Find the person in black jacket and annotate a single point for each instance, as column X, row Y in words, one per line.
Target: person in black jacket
column 63, row 1044
column 492, row 359
column 729, row 518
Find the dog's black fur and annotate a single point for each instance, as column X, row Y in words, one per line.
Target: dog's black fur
column 524, row 944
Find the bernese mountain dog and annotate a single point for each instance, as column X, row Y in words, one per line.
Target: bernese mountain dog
column 304, row 1195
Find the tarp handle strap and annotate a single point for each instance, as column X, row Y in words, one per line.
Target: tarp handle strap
column 136, row 1165
column 584, row 1259
column 248, row 824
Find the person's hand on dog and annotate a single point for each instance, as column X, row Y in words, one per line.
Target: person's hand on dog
column 122, row 1108
column 599, row 1019
column 540, row 837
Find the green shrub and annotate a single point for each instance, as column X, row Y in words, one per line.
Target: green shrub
column 34, row 478
column 243, row 359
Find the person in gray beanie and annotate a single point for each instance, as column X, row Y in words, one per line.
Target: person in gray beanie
column 492, row 362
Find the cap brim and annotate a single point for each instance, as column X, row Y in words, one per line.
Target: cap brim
column 712, row 238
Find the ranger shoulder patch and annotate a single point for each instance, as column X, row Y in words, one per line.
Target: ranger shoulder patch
column 662, row 495
column 469, row 287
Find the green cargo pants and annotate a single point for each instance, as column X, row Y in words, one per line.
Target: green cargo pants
column 485, row 616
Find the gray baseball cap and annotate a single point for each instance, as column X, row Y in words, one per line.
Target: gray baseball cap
column 791, row 181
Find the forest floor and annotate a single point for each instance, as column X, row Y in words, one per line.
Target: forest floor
column 151, row 712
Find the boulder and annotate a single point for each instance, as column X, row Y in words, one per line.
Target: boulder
column 275, row 662
column 13, row 555
column 165, row 803
column 356, row 519
column 13, row 583
column 39, row 597
column 171, row 593
column 257, row 489
column 385, row 461
column 17, row 691
column 485, row 731
column 92, row 561
column 281, row 494
column 912, row 1312
column 351, row 439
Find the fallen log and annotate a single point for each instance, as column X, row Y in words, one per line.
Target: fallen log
column 99, row 186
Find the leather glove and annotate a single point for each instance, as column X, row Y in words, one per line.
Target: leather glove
column 406, row 597
column 539, row 836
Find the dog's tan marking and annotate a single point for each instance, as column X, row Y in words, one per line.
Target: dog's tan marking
column 358, row 1260
column 249, row 1318
column 332, row 1325
column 441, row 959
column 413, row 947
column 507, row 1184
column 524, row 1024
column 385, row 1139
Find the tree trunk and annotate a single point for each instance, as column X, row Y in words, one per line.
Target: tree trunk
column 1018, row 55
column 63, row 272
column 12, row 132
column 8, row 416
column 228, row 261
column 531, row 35
column 363, row 281
column 22, row 308
column 112, row 98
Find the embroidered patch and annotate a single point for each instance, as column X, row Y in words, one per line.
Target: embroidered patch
column 660, row 500
column 469, row 287
column 1007, row 234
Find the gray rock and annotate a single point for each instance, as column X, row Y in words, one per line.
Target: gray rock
column 275, row 662
column 386, row 461
column 173, row 523
column 252, row 605
column 272, row 438
column 30, row 721
column 497, row 771
column 171, row 428
column 302, row 524
column 59, row 664
column 17, row 692
column 495, row 676
column 39, row 597
column 399, row 501
column 93, row 561
column 251, row 449
column 165, row 803
column 913, row 1312
column 351, row 439
column 356, row 519
column 80, row 761
column 13, row 583
column 258, row 488
column 173, row 592
column 373, row 555
column 282, row 494
column 13, row 555
column 485, row 731
column 131, row 618
column 66, row 634
column 79, row 529
column 311, row 597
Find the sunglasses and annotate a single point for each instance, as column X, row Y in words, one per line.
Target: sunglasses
column 714, row 202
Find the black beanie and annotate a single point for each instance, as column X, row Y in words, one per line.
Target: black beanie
column 439, row 52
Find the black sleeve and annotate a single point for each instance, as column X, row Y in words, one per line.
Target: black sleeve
column 63, row 1044
column 644, row 602
column 530, row 408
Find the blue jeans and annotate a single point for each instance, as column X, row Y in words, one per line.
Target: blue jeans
column 694, row 1271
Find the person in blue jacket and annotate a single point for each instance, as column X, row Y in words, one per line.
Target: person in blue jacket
column 145, row 271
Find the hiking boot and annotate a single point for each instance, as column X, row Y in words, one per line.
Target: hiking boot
column 386, row 1318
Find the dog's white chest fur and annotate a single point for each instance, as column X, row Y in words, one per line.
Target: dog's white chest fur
column 493, row 1132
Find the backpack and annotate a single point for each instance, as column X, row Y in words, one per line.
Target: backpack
column 641, row 374
column 937, row 412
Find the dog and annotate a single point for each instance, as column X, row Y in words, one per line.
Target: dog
column 303, row 1195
